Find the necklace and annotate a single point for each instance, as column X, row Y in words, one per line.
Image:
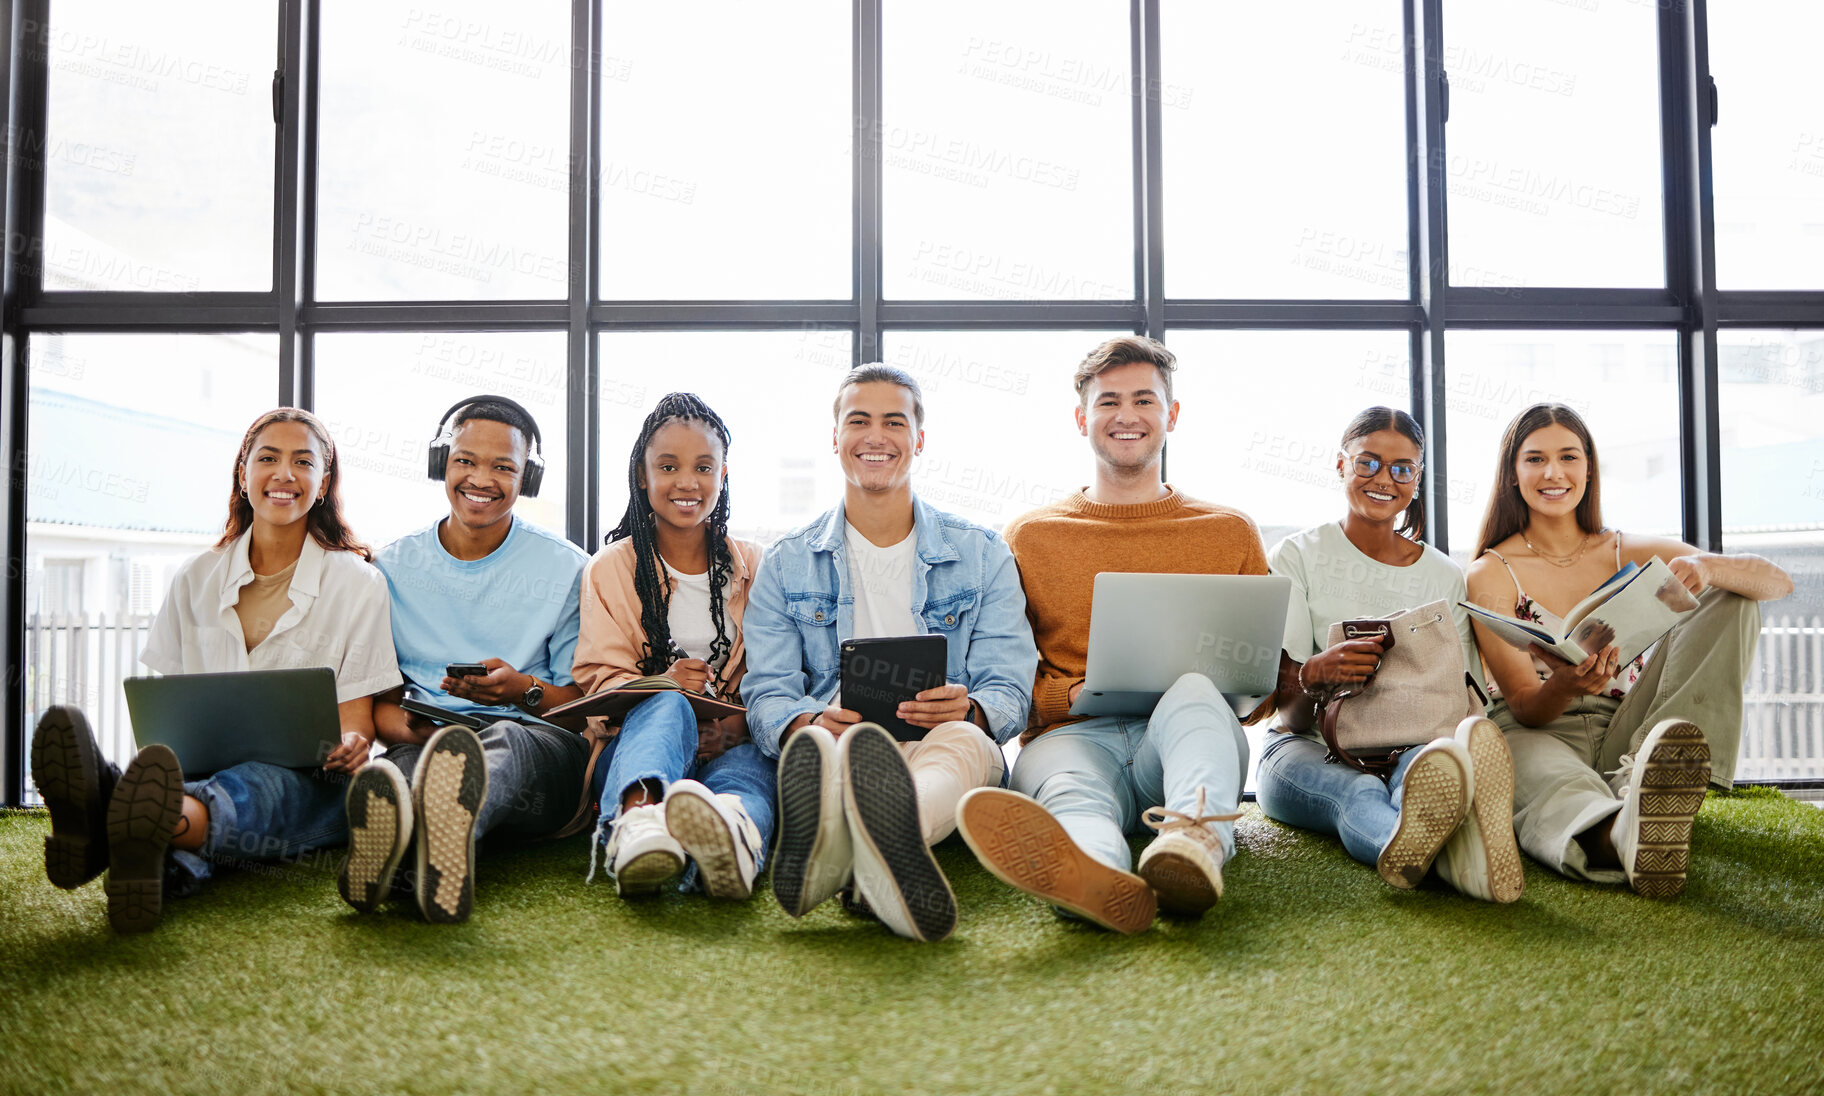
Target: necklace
column 1558, row 561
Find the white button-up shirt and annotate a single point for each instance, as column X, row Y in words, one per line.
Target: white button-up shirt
column 339, row 618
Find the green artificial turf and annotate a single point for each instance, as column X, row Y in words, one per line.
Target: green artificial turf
column 1309, row 976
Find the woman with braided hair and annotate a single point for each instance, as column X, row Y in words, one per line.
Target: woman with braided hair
column 664, row 596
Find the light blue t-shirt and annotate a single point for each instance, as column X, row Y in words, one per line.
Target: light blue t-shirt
column 519, row 603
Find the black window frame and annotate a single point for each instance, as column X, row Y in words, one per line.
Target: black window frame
column 1689, row 304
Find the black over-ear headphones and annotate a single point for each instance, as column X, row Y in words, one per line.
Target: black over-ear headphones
column 534, row 472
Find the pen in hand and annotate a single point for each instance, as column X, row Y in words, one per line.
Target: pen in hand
column 678, row 655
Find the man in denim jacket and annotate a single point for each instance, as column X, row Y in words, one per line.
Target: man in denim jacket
column 882, row 563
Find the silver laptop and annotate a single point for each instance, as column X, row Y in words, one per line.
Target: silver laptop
column 213, row 721
column 1148, row 630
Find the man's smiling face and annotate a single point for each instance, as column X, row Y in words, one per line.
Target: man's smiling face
column 1126, row 416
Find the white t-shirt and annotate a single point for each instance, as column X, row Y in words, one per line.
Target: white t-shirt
column 693, row 630
column 1334, row 580
column 339, row 618
column 881, row 579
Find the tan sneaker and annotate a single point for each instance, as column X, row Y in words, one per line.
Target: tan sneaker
column 716, row 831
column 1434, row 801
column 1183, row 864
column 1025, row 847
column 1665, row 789
column 1482, row 858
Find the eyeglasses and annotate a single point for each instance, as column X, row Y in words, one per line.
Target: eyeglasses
column 1402, row 471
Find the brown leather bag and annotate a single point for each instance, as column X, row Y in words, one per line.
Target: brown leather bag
column 1421, row 691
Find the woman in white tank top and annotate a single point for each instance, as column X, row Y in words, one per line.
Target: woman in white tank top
column 1610, row 760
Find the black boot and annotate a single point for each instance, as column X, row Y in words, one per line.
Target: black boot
column 76, row 783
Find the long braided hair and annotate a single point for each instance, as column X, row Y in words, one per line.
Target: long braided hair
column 650, row 579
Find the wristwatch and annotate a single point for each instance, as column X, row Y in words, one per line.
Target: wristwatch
column 532, row 697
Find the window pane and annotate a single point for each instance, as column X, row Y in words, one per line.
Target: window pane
column 1553, row 170
column 1008, row 164
column 1242, row 442
column 726, row 169
column 445, row 161
column 1772, row 408
column 1000, row 428
column 131, row 457
column 1623, row 383
column 381, row 395
column 773, row 389
column 1253, row 212
column 134, row 200
column 1768, row 147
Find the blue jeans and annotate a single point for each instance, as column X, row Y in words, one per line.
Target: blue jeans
column 1294, row 785
column 1099, row 776
column 263, row 812
column 658, row 741
column 535, row 777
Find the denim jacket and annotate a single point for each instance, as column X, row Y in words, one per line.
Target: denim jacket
column 965, row 587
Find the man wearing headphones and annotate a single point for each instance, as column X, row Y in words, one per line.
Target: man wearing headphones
column 484, row 613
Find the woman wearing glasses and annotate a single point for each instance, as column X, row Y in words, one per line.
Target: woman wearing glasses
column 1448, row 802
column 1610, row 760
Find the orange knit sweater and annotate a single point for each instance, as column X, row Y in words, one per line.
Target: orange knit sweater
column 1061, row 549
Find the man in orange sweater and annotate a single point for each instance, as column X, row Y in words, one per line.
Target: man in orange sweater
column 1081, row 785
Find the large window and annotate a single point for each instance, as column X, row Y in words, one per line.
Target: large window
column 134, row 440
column 444, row 159
column 133, row 201
column 1004, row 146
column 586, row 204
column 1553, row 165
column 1770, row 147
column 1773, row 505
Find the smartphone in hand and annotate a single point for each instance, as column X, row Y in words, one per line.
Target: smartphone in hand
column 466, row 669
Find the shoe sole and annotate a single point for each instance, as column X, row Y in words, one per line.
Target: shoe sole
column 67, row 773
column 882, row 804
column 1024, row 847
column 449, row 785
column 699, row 827
column 800, row 823
column 142, row 815
column 1432, row 806
column 1493, row 806
column 647, row 873
column 379, row 834
column 1179, row 885
column 1671, row 789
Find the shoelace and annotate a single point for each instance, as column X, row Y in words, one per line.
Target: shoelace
column 1168, row 820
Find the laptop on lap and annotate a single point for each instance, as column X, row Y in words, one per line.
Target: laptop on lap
column 1148, row 630
column 214, row 721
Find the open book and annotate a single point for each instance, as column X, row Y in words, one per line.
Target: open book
column 1631, row 609
column 614, row 703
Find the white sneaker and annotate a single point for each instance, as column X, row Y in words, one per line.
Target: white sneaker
column 1183, row 864
column 1665, row 789
column 814, row 854
column 894, row 870
column 1434, row 800
column 1482, row 859
column 641, row 852
column 716, row 832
